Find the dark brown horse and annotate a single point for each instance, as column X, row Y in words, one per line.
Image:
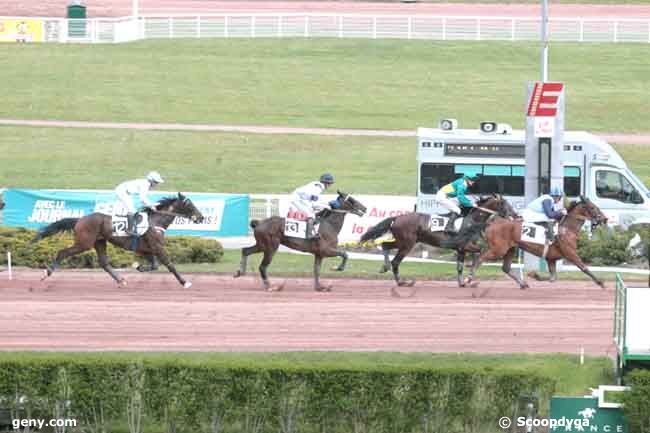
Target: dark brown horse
column 269, row 235
column 503, row 238
column 409, row 229
column 95, row 230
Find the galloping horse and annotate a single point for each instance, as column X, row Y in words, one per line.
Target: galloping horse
column 503, row 237
column 95, row 230
column 409, row 229
column 269, row 234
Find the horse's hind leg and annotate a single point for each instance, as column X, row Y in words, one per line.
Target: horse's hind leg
column 266, row 261
column 385, row 249
column 102, row 258
column 245, row 252
column 395, row 265
column 63, row 254
column 507, row 268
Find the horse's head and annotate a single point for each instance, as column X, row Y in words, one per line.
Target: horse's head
column 498, row 204
column 346, row 202
column 586, row 209
column 181, row 205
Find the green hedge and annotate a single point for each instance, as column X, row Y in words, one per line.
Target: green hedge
column 637, row 401
column 182, row 249
column 104, row 391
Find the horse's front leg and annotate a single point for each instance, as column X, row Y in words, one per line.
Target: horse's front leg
column 385, row 249
column 318, row 260
column 344, row 255
column 164, row 259
column 569, row 252
column 460, row 266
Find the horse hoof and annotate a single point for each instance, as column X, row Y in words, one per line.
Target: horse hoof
column 481, row 293
column 524, row 287
column 324, row 288
column 122, row 283
column 136, row 265
column 275, row 288
column 402, row 294
column 187, row 285
column 238, row 274
column 406, row 283
column 338, row 269
column 601, row 284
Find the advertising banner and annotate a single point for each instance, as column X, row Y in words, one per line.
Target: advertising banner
column 225, row 214
column 21, row 30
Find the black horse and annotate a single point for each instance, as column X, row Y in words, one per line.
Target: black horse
column 269, row 234
column 95, row 230
column 411, row 228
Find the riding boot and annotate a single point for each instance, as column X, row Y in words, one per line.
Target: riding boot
column 449, row 228
column 550, row 236
column 312, row 228
column 130, row 229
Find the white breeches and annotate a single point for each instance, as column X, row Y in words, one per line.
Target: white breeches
column 305, row 207
column 530, row 216
column 450, row 204
column 126, row 200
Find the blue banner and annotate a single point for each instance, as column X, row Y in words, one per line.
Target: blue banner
column 225, row 214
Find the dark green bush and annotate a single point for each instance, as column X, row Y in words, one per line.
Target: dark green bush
column 607, row 246
column 182, row 249
column 636, row 403
column 246, row 396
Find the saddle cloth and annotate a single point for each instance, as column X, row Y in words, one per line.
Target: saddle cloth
column 295, row 228
column 437, row 223
column 119, row 224
column 533, row 233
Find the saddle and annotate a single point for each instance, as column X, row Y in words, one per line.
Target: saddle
column 119, row 224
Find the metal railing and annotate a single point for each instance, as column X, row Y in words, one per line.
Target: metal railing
column 443, row 28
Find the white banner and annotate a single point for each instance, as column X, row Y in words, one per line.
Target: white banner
column 379, row 207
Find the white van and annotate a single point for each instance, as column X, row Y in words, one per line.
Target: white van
column 591, row 168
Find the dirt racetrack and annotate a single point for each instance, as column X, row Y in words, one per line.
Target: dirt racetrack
column 86, row 311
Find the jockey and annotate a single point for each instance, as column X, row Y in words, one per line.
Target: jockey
column 140, row 187
column 546, row 210
column 306, row 199
column 452, row 195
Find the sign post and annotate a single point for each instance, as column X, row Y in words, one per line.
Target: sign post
column 544, row 145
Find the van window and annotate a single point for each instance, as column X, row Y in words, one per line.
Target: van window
column 501, row 179
column 435, row 176
column 572, row 181
column 613, row 185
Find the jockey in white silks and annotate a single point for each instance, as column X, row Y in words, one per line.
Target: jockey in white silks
column 141, row 187
column 545, row 210
column 307, row 201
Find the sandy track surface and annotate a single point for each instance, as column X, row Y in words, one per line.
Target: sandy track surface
column 107, row 8
column 642, row 139
column 85, row 311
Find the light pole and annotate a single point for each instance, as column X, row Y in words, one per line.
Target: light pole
column 544, row 41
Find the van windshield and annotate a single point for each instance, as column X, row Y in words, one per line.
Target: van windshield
column 638, row 183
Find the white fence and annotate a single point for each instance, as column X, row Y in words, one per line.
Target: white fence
column 344, row 26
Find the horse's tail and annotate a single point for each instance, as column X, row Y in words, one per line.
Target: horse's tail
column 464, row 237
column 254, row 223
column 63, row 225
column 378, row 230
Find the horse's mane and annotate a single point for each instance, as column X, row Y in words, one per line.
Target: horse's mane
column 572, row 205
column 162, row 203
column 483, row 200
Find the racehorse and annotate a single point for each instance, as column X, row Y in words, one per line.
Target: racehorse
column 409, row 229
column 503, row 237
column 95, row 230
column 269, row 234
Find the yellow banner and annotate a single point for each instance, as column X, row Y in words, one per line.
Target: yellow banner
column 17, row 30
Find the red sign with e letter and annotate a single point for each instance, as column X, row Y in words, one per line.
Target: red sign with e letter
column 543, row 100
